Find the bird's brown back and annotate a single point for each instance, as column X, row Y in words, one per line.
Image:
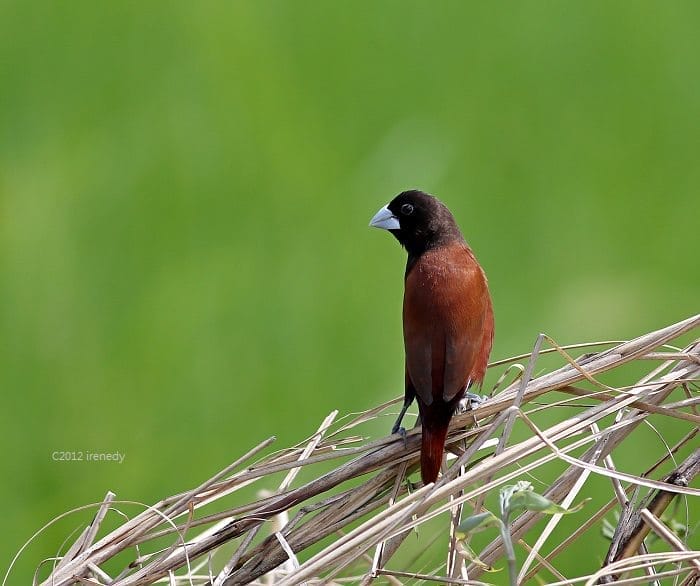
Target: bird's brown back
column 448, row 323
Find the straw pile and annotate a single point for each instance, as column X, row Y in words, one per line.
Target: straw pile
column 345, row 525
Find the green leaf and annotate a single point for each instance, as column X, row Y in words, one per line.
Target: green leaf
column 677, row 527
column 608, row 529
column 507, row 492
column 536, row 502
column 480, row 521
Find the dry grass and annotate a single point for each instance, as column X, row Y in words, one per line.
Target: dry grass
column 364, row 501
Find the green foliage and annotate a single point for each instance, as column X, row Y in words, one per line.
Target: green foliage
column 676, row 525
column 525, row 498
column 512, row 498
column 476, row 522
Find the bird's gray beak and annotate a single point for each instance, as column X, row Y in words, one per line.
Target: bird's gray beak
column 385, row 219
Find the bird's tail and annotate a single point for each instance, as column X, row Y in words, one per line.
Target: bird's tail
column 432, row 447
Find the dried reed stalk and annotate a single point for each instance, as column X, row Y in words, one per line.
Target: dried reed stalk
column 379, row 511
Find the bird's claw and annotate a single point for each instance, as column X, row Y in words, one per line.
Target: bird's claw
column 470, row 401
column 402, row 432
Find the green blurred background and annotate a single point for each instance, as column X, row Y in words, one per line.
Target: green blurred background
column 184, row 197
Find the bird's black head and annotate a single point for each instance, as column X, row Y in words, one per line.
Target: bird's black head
column 418, row 221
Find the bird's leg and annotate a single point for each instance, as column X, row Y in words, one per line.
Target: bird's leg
column 397, row 424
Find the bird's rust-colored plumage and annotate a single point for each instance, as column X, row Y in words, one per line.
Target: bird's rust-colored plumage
column 448, row 321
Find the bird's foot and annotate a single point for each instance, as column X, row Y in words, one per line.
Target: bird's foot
column 470, row 401
column 402, row 432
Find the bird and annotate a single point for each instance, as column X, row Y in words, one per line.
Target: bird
column 448, row 321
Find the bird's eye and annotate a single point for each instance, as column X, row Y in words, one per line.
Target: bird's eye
column 407, row 209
